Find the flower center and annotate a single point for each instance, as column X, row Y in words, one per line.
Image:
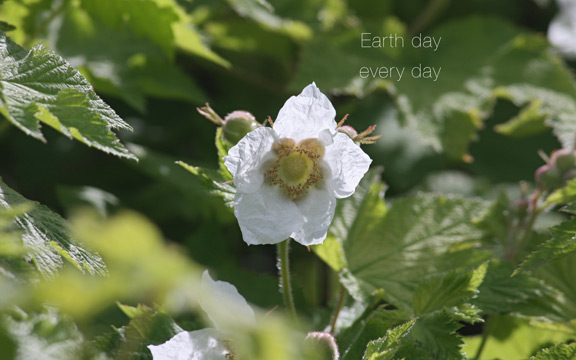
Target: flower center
column 296, row 167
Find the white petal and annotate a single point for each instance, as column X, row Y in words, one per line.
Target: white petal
column 202, row 344
column 266, row 216
column 562, row 29
column 318, row 208
column 245, row 159
column 224, row 305
column 305, row 115
column 348, row 163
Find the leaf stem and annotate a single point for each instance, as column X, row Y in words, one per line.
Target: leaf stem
column 341, row 299
column 485, row 334
column 284, row 273
column 431, row 10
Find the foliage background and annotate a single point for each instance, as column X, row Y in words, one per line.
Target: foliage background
column 155, row 61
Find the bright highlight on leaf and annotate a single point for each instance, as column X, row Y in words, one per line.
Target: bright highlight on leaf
column 40, row 87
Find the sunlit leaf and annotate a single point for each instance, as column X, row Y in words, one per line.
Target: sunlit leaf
column 47, row 239
column 39, row 86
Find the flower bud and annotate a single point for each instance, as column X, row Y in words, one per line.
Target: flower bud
column 237, row 124
column 348, row 130
column 564, row 159
column 548, row 177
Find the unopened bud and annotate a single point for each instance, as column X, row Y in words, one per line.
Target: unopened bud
column 548, row 177
column 564, row 159
column 237, row 124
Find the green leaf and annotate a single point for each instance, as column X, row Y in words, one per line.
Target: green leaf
column 447, row 290
column 350, row 218
column 501, row 293
column 530, row 121
column 214, row 182
column 46, row 237
column 148, row 18
column 39, row 86
column 120, row 63
column 561, row 244
column 420, row 236
column 564, row 195
column 385, row 348
column 437, row 334
column 478, row 60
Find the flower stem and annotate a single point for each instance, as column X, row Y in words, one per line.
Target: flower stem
column 284, row 272
column 341, row 298
column 485, row 334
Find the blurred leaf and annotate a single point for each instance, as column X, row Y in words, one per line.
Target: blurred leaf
column 530, row 121
column 48, row 335
column 419, row 237
column 557, row 352
column 262, row 12
column 148, row 18
column 561, row 244
column 385, row 348
column 47, row 239
column 4, row 26
column 447, row 290
column 40, row 86
column 564, row 195
column 120, row 63
column 478, row 60
column 513, row 338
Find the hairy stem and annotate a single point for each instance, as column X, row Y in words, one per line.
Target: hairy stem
column 485, row 334
column 284, row 273
column 341, row 298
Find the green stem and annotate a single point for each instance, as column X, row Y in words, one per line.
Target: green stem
column 430, row 12
column 284, row 270
column 485, row 334
column 337, row 309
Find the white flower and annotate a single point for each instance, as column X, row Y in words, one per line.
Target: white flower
column 288, row 177
column 227, row 310
column 562, row 29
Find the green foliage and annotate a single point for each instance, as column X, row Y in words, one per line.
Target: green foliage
column 558, row 352
column 558, row 246
column 39, row 86
column 419, row 237
column 46, row 237
column 386, row 347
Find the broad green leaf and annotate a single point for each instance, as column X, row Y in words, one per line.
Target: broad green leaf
column 561, row 244
column 447, row 290
column 531, row 120
column 437, row 333
column 350, row 218
column 557, row 352
column 46, row 237
column 39, row 86
column 419, row 236
column 385, row 348
column 46, row 335
column 501, row 293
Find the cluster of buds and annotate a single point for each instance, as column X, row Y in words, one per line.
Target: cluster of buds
column 234, row 126
column 358, row 138
column 558, row 170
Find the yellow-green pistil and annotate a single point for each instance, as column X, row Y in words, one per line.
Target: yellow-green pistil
column 296, row 167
